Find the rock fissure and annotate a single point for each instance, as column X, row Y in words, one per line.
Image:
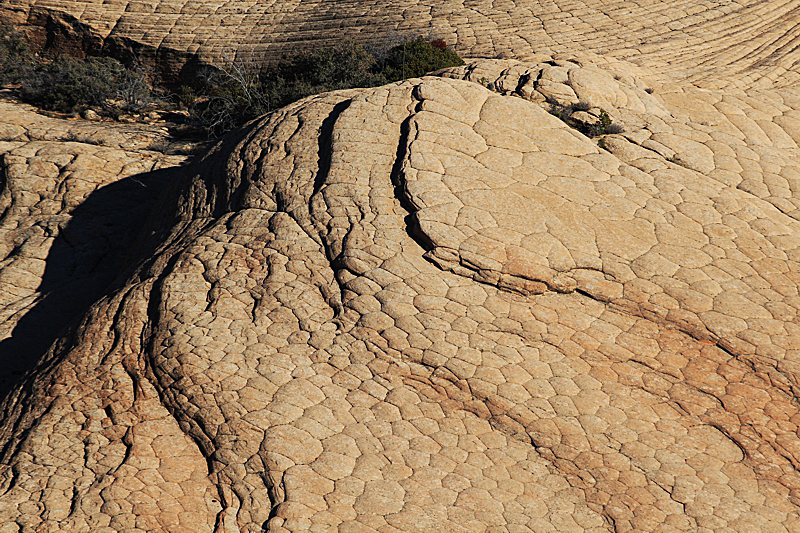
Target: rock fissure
column 428, row 306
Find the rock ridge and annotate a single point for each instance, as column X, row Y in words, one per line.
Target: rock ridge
column 744, row 43
column 432, row 305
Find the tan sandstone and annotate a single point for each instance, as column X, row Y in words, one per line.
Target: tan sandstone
column 429, row 306
column 741, row 43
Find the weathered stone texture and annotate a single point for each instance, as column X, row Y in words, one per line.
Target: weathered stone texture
column 715, row 42
column 436, row 307
column 74, row 195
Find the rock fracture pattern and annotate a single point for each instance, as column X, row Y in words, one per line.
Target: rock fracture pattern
column 430, row 306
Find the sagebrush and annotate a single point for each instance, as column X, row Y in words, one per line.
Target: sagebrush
column 226, row 97
column 70, row 84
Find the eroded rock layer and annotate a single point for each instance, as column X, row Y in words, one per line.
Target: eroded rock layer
column 73, row 195
column 716, row 42
column 436, row 307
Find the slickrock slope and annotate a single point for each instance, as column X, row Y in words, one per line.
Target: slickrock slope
column 435, row 307
column 740, row 42
column 74, row 193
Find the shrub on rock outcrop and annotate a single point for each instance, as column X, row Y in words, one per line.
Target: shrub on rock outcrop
column 229, row 96
column 226, row 98
column 592, row 125
column 342, row 66
column 236, row 93
column 68, row 84
column 415, row 58
column 15, row 56
column 349, row 64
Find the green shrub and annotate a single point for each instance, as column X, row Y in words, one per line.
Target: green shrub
column 68, row 84
column 604, row 121
column 412, row 59
column 229, row 96
column 605, row 125
column 343, row 65
column 15, row 56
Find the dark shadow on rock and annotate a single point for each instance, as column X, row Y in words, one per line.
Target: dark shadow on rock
column 90, row 253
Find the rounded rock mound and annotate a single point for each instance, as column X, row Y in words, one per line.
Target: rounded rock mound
column 433, row 306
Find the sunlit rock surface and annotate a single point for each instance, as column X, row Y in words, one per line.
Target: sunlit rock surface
column 716, row 42
column 430, row 306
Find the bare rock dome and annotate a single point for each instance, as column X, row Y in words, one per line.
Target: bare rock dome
column 458, row 303
column 433, row 306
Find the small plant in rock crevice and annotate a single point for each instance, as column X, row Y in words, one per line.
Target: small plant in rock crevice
column 582, row 105
column 603, row 126
column 561, row 112
column 603, row 121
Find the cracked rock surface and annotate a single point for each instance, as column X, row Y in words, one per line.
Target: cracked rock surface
column 713, row 42
column 72, row 196
column 432, row 306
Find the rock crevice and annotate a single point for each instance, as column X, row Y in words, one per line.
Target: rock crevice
column 434, row 306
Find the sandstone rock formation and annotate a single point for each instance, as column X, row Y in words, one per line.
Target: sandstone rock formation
column 431, row 306
column 738, row 42
column 73, row 194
